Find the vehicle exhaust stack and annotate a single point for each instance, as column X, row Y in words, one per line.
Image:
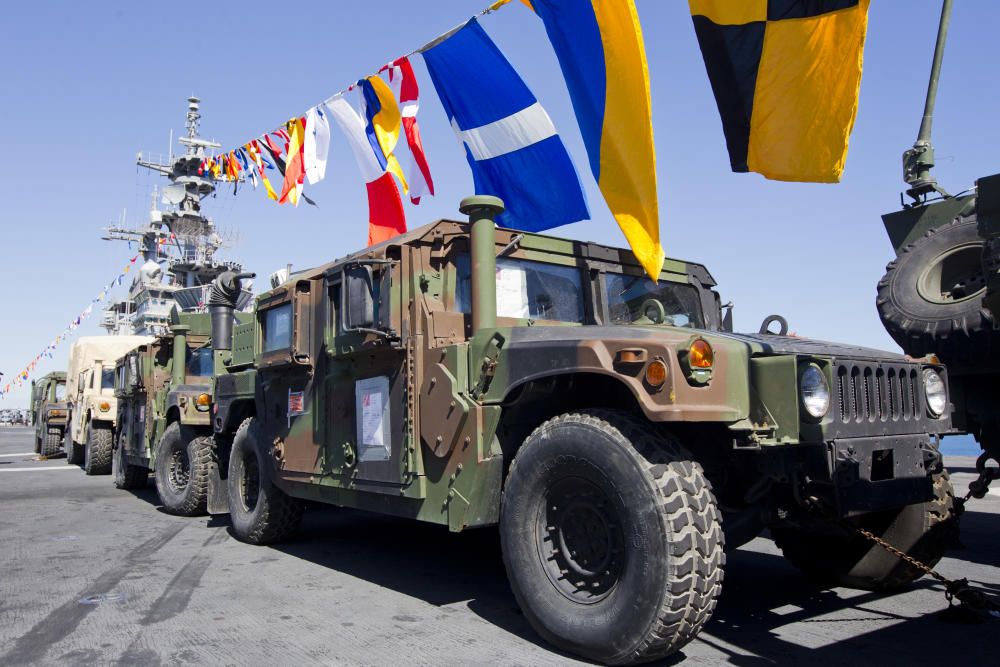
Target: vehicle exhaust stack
column 177, row 370
column 481, row 210
column 221, row 304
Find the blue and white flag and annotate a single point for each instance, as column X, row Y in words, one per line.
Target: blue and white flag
column 510, row 141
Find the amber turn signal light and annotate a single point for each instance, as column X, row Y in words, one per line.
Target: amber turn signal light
column 203, row 400
column 700, row 354
column 104, row 406
column 656, row 373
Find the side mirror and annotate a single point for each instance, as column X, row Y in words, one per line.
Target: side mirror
column 727, row 319
column 359, row 310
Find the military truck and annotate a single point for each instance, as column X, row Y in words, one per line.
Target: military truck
column 49, row 412
column 90, row 395
column 615, row 428
column 940, row 296
column 164, row 393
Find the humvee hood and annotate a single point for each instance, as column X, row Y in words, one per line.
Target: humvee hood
column 759, row 344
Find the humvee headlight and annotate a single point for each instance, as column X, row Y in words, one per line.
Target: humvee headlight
column 814, row 392
column 203, row 402
column 656, row 373
column 700, row 354
column 104, row 406
column 935, row 392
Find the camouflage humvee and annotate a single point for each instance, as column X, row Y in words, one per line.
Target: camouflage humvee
column 615, row 428
column 164, row 390
column 49, row 413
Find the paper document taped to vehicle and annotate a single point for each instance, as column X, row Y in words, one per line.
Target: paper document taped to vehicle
column 371, row 397
column 512, row 291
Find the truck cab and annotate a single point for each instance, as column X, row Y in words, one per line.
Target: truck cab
column 49, row 412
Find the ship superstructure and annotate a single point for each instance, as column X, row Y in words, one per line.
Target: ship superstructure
column 177, row 246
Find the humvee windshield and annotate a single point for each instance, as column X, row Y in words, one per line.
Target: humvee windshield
column 60, row 391
column 199, row 362
column 628, row 295
column 528, row 290
column 107, row 378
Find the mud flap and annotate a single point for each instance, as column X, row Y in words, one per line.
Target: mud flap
column 218, row 494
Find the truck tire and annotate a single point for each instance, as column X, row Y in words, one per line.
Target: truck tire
column 51, row 443
column 183, row 461
column 611, row 538
column 925, row 531
column 97, row 453
column 260, row 512
column 930, row 299
column 127, row 476
column 74, row 452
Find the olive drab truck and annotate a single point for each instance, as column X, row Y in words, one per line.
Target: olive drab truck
column 940, row 296
column 49, row 412
column 615, row 428
column 164, row 391
column 93, row 409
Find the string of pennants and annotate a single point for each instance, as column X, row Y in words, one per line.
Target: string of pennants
column 22, row 376
column 787, row 107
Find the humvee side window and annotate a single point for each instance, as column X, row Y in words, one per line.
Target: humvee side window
column 107, row 378
column 527, row 290
column 60, row 391
column 199, row 362
column 628, row 295
column 278, row 328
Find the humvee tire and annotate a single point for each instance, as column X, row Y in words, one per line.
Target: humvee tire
column 52, row 443
column 925, row 531
column 97, row 452
column 260, row 512
column 930, row 299
column 127, row 476
column 74, row 452
column 181, row 470
column 611, row 538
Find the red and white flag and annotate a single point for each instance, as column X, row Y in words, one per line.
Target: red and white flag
column 403, row 83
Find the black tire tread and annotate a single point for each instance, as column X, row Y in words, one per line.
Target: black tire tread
column 201, row 456
column 97, row 460
column 51, row 443
column 690, row 515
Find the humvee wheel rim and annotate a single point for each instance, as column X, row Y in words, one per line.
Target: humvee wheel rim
column 179, row 470
column 581, row 540
column 249, row 482
column 954, row 276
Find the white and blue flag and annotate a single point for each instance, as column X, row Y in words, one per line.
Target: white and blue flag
column 510, row 141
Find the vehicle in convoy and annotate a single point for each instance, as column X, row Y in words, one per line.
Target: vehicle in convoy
column 615, row 428
column 90, row 394
column 940, row 296
column 49, row 412
column 164, row 391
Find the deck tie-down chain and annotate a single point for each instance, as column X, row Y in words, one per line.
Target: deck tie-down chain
column 969, row 599
column 979, row 487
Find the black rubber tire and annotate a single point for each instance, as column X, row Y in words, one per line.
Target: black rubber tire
column 97, row 452
column 925, row 531
column 957, row 330
column 74, row 452
column 652, row 500
column 126, row 475
column 51, row 444
column 260, row 512
column 183, row 492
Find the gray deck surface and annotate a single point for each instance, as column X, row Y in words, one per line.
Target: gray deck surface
column 93, row 575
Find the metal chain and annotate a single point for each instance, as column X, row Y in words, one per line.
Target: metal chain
column 926, row 569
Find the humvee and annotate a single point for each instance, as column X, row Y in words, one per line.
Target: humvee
column 90, row 394
column 49, row 412
column 615, row 428
column 164, row 391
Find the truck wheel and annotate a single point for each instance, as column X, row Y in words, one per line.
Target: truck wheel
column 74, row 452
column 260, row 512
column 931, row 297
column 51, row 443
column 181, row 470
column 127, row 476
column 611, row 538
column 925, row 531
column 97, row 453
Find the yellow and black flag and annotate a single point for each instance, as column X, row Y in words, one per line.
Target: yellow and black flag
column 785, row 74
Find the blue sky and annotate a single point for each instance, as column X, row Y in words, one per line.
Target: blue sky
column 87, row 85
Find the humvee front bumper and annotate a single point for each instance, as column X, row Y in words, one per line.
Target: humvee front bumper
column 853, row 476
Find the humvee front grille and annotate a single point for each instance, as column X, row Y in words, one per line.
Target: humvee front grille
column 877, row 393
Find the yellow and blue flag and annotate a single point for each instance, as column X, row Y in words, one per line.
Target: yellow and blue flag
column 785, row 74
column 600, row 50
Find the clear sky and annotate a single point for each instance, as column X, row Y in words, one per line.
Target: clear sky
column 87, row 85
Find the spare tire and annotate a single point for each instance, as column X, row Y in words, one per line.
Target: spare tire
column 931, row 297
